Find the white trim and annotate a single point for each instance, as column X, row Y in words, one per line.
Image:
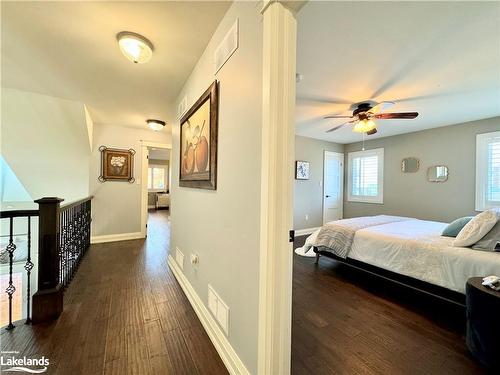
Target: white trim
column 482, row 141
column 278, row 140
column 302, row 232
column 228, row 355
column 116, row 237
column 341, row 158
column 379, row 199
column 144, row 177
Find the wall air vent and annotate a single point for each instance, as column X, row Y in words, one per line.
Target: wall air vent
column 183, row 106
column 227, row 47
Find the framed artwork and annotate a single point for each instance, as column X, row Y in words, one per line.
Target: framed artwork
column 198, row 137
column 301, row 170
column 117, row 164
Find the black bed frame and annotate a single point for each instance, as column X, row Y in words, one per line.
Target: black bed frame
column 410, row 282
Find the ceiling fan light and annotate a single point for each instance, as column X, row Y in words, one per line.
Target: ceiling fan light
column 364, row 126
column 155, row 125
column 135, row 47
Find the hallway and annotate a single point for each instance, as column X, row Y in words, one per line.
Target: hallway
column 124, row 313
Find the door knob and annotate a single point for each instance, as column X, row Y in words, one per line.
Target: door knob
column 327, row 196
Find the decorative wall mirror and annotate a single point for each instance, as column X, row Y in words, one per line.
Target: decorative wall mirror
column 437, row 173
column 410, row 165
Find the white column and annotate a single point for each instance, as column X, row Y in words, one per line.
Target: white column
column 278, row 140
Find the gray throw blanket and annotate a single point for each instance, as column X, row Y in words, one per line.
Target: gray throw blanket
column 338, row 236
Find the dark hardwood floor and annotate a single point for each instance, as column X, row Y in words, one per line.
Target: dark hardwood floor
column 348, row 322
column 124, row 314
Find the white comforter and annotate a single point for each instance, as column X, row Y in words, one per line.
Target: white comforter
column 416, row 248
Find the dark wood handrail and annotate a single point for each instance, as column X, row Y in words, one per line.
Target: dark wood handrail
column 18, row 213
column 75, row 203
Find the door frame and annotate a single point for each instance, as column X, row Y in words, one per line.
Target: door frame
column 341, row 156
column 144, row 180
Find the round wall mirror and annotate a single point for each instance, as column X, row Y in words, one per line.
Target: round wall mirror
column 437, row 173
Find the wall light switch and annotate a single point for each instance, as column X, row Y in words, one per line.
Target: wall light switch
column 307, row 217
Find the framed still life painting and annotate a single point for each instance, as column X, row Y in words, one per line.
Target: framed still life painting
column 117, row 164
column 198, row 137
column 301, row 170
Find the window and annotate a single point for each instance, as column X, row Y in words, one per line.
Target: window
column 487, row 171
column 156, row 178
column 366, row 176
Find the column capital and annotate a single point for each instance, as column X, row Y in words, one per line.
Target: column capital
column 293, row 6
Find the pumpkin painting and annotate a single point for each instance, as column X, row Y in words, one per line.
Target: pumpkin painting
column 198, row 142
column 195, row 151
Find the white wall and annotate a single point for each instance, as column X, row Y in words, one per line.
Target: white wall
column 223, row 226
column 45, row 142
column 116, row 207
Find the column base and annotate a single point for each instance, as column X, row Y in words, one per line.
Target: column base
column 47, row 304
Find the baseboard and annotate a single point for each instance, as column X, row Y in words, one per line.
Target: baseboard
column 302, row 232
column 233, row 363
column 116, row 237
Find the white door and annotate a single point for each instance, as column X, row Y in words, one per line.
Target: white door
column 333, row 186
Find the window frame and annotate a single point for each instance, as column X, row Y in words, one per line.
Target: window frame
column 482, row 141
column 150, row 174
column 378, row 199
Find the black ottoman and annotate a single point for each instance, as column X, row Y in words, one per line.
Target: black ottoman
column 483, row 322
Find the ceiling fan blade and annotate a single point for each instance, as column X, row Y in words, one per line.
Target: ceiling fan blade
column 371, row 132
column 402, row 115
column 337, row 116
column 336, row 127
column 382, row 106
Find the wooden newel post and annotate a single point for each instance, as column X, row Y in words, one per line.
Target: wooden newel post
column 48, row 300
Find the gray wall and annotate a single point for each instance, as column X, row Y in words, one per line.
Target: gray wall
column 308, row 194
column 116, row 207
column 223, row 226
column 409, row 194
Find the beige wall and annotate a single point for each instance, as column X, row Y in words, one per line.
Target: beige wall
column 308, row 194
column 222, row 226
column 116, row 207
column 409, row 194
column 45, row 142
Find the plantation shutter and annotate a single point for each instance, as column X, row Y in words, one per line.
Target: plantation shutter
column 365, row 176
column 493, row 174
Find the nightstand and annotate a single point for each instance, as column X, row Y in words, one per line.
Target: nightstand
column 483, row 322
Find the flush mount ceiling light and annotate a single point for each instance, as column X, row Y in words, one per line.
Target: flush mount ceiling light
column 156, row 125
column 135, row 47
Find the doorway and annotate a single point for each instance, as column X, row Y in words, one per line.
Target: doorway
column 333, row 186
column 156, row 178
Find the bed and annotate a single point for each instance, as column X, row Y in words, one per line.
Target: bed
column 406, row 250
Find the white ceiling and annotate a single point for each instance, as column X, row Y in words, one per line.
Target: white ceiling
column 439, row 59
column 69, row 50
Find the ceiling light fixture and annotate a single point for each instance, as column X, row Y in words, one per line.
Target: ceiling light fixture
column 135, row 47
column 364, row 126
column 156, row 125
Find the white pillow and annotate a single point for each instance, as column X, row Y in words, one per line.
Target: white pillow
column 476, row 229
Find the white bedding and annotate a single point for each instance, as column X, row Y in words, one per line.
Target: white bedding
column 416, row 248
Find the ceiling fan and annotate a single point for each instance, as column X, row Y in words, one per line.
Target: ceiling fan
column 365, row 112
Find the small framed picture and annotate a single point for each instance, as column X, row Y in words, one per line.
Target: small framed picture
column 117, row 164
column 301, row 170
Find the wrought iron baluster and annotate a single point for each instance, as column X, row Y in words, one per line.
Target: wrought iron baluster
column 28, row 267
column 11, row 288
